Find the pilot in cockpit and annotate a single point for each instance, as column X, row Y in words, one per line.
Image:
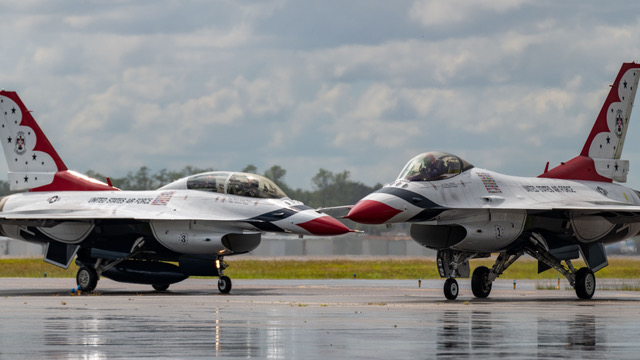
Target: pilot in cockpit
column 431, row 167
column 254, row 188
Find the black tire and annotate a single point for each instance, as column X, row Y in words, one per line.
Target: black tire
column 479, row 282
column 585, row 283
column 451, row 289
column 224, row 284
column 160, row 287
column 87, row 278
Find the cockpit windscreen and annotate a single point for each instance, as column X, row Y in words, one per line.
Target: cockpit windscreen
column 431, row 166
column 252, row 185
column 241, row 184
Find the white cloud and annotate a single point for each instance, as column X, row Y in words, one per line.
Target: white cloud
column 451, row 12
column 237, row 36
column 97, row 113
column 410, row 61
column 374, row 102
column 510, row 84
column 267, row 94
column 146, row 82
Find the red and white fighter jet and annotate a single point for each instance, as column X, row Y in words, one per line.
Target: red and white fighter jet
column 157, row 237
column 465, row 212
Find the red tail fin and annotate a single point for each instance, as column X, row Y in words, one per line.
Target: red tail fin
column 600, row 156
column 33, row 163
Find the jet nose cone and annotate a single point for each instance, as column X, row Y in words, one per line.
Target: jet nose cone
column 372, row 212
column 325, row 225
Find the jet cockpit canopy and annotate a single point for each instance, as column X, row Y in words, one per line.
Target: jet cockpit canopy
column 434, row 165
column 232, row 183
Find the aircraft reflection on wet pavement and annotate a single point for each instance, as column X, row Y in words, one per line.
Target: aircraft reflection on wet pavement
column 252, row 327
column 457, row 333
column 475, row 333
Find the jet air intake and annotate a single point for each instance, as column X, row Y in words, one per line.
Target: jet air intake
column 497, row 230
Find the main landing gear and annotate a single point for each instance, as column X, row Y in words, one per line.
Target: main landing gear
column 156, row 273
column 88, row 275
column 451, row 289
column 585, row 283
column 87, row 278
column 480, row 284
column 452, row 264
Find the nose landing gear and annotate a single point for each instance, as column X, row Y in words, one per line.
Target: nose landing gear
column 224, row 282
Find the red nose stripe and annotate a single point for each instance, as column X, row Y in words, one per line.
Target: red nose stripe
column 372, row 212
column 325, row 225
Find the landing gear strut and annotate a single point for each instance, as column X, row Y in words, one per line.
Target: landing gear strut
column 583, row 280
column 456, row 263
column 88, row 275
column 224, row 282
column 452, row 263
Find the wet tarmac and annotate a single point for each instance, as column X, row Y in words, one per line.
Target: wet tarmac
column 319, row 319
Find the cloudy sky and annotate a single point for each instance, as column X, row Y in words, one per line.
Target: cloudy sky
column 361, row 86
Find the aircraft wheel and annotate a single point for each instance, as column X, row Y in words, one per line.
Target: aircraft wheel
column 224, row 284
column 87, row 278
column 479, row 282
column 160, row 287
column 585, row 283
column 451, row 289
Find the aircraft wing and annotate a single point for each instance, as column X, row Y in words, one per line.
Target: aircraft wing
column 337, row 212
column 614, row 212
column 54, row 216
column 335, row 208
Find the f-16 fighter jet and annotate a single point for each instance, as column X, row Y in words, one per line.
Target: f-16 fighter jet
column 569, row 211
column 156, row 237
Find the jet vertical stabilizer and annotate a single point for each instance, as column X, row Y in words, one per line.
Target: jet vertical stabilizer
column 33, row 163
column 600, row 156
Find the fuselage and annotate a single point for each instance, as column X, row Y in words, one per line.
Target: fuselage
column 184, row 221
column 493, row 210
column 480, row 188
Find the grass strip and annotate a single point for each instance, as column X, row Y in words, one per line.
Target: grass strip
column 332, row 268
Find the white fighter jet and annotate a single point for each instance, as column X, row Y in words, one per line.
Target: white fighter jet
column 157, row 237
column 465, row 212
